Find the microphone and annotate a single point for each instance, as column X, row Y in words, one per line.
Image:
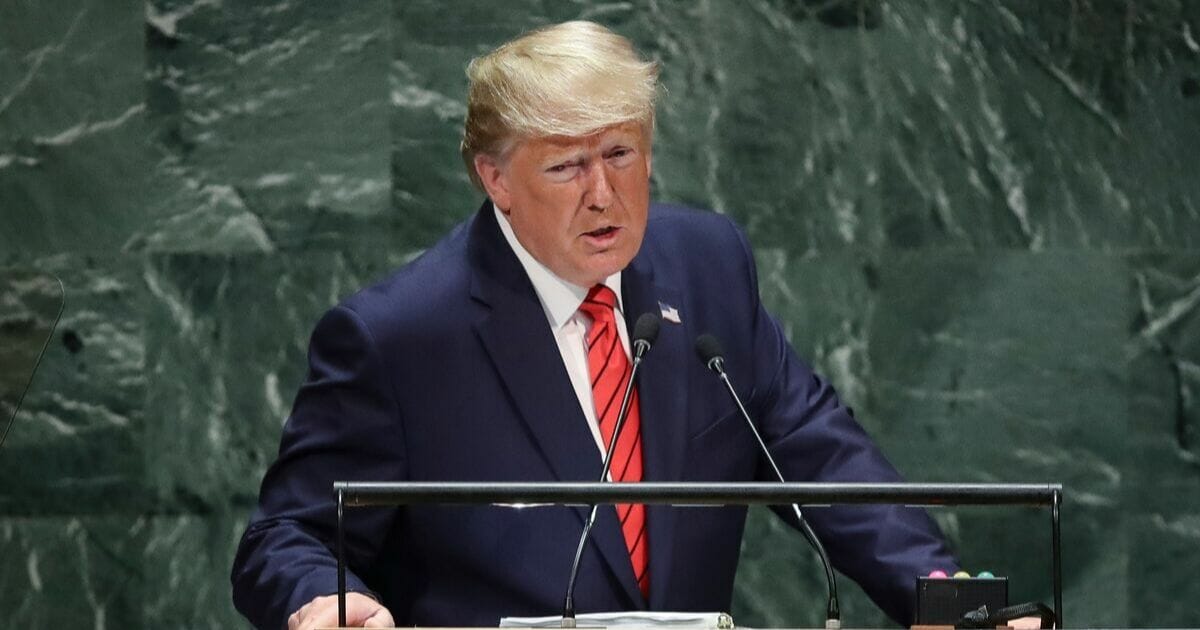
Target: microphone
column 709, row 351
column 645, row 331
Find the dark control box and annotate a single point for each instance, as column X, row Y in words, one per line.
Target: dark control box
column 943, row 601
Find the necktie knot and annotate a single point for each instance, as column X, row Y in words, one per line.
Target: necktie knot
column 599, row 304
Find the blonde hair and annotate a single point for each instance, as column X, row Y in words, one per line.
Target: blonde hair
column 569, row 79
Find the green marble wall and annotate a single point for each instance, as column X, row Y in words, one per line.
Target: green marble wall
column 979, row 218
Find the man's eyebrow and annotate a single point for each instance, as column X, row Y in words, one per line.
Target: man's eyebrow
column 566, row 155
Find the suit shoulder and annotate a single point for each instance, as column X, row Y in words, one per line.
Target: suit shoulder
column 684, row 223
column 675, row 230
column 419, row 294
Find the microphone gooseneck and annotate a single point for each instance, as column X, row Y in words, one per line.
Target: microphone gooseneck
column 645, row 331
column 709, row 351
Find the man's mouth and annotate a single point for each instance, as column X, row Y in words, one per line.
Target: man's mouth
column 602, row 232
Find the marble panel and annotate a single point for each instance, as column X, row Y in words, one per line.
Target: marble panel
column 1011, row 367
column 73, row 127
column 227, row 339
column 273, row 119
column 72, row 571
column 824, row 304
column 903, row 124
column 1003, row 366
column 75, row 447
column 1164, row 549
column 187, row 560
column 888, row 159
column 1164, row 349
column 30, row 305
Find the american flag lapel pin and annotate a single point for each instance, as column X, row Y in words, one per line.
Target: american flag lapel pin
column 669, row 313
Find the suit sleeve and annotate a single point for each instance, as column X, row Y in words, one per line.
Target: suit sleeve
column 344, row 426
column 814, row 437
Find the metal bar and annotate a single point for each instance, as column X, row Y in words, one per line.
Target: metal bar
column 1056, row 556
column 341, row 561
column 371, row 493
column 359, row 494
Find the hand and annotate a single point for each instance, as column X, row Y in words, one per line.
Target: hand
column 322, row 612
column 1026, row 623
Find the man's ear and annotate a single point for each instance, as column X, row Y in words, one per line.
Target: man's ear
column 494, row 181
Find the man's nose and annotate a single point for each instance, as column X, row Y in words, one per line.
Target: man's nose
column 599, row 186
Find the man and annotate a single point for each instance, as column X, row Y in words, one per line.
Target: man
column 496, row 355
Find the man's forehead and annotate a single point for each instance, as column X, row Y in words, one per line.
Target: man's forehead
column 627, row 131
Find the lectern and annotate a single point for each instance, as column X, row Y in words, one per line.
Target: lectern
column 366, row 493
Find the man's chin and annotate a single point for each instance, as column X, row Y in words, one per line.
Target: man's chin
column 597, row 274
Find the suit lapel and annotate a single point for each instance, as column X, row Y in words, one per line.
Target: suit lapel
column 662, row 390
column 526, row 357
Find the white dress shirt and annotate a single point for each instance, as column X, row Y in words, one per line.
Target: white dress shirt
column 560, row 301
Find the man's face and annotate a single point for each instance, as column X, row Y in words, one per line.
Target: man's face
column 578, row 205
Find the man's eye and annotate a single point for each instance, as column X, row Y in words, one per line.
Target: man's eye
column 620, row 155
column 562, row 173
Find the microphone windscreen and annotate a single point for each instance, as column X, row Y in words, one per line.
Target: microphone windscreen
column 708, row 348
column 646, row 328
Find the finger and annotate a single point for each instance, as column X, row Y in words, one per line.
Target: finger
column 360, row 609
column 381, row 619
column 321, row 618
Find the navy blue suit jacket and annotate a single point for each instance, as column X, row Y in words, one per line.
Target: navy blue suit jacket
column 448, row 371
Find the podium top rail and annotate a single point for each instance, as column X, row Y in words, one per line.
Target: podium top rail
column 379, row 493
column 375, row 493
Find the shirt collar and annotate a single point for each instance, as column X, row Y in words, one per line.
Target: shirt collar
column 560, row 299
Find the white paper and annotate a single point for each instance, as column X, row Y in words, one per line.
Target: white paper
column 699, row 621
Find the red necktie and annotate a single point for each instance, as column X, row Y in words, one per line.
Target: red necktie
column 610, row 369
